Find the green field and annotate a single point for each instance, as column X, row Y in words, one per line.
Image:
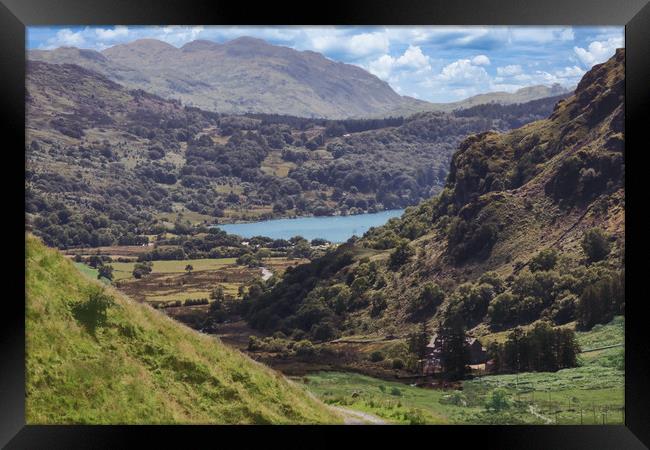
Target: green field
column 138, row 366
column 123, row 270
column 87, row 270
column 590, row 394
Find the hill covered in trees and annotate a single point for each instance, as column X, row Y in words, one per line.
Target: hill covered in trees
column 95, row 356
column 108, row 165
column 529, row 227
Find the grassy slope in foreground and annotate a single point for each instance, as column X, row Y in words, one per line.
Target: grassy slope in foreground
column 141, row 367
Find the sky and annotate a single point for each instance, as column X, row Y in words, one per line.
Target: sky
column 433, row 63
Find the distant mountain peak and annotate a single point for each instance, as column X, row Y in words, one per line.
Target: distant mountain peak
column 200, row 45
column 141, row 45
column 248, row 40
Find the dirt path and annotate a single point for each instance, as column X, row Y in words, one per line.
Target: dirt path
column 540, row 416
column 352, row 417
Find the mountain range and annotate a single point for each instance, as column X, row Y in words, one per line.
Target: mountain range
column 250, row 75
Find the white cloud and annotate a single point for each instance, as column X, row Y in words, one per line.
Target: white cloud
column 413, row 58
column 66, row 38
column 386, row 66
column 598, row 51
column 461, row 71
column 461, row 78
column 358, row 45
column 382, row 66
column 509, row 71
column 481, row 60
column 570, row 72
column 179, row 35
column 109, row 34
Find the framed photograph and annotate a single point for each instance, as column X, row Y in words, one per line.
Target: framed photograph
column 331, row 219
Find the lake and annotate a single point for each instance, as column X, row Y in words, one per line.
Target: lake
column 334, row 229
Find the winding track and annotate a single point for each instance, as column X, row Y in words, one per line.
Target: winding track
column 353, row 417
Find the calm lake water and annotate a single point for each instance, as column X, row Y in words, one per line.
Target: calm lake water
column 334, row 229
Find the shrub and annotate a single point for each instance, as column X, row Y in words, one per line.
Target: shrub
column 595, row 245
column 323, row 331
column 105, row 271
column 498, row 401
column 376, row 356
column 398, row 364
column 141, row 269
column 431, row 296
column 414, row 417
column 544, row 260
column 304, row 348
column 254, row 343
column 92, row 313
column 378, row 303
column 400, row 255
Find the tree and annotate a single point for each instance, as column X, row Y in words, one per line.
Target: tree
column 454, row 353
column 400, row 255
column 431, row 296
column 418, row 341
column 141, row 269
column 595, row 244
column 217, row 294
column 503, row 310
column 105, row 271
column 189, row 268
column 216, row 311
column 94, row 261
column 599, row 302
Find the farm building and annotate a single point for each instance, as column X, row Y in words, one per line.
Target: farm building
column 433, row 363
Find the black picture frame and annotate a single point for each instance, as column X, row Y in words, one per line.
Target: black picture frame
column 15, row 15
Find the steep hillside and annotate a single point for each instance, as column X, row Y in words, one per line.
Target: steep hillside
column 141, row 163
column 134, row 365
column 529, row 226
column 242, row 75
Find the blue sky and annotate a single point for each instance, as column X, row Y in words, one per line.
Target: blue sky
column 435, row 63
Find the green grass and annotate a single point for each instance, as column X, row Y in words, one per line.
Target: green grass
column 87, row 270
column 586, row 394
column 603, row 335
column 123, row 270
column 140, row 366
column 395, row 402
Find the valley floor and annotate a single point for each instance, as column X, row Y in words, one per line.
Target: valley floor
column 592, row 394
